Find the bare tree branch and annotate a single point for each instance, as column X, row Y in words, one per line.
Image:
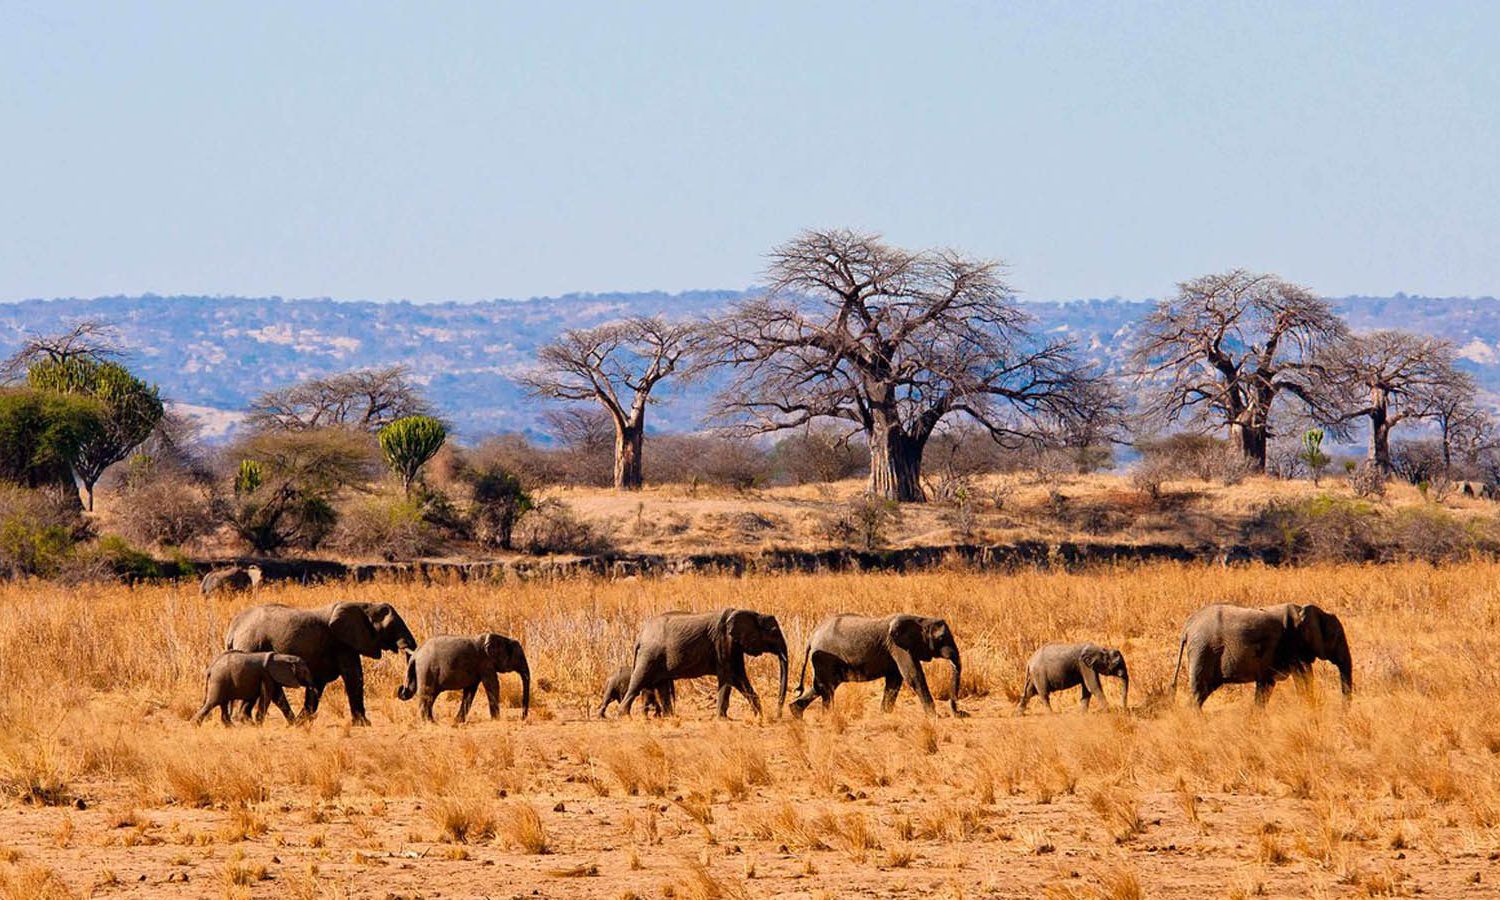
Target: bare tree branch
column 894, row 341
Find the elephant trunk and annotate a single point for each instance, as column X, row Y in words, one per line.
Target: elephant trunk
column 1345, row 664
column 958, row 672
column 781, row 662
column 408, row 688
column 525, row 673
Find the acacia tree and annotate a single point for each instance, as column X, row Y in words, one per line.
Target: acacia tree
column 1390, row 377
column 129, row 409
column 1227, row 346
column 617, row 366
column 367, row 398
column 895, row 341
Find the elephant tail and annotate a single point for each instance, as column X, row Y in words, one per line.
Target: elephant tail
column 408, row 688
column 802, row 676
column 1181, row 645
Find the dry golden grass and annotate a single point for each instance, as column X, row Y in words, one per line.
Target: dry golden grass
column 103, row 782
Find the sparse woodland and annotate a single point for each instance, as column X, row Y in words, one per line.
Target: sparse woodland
column 877, row 396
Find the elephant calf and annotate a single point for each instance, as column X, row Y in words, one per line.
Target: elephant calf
column 653, row 700
column 1059, row 667
column 856, row 648
column 452, row 663
column 251, row 678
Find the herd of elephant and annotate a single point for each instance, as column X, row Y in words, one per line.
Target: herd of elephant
column 273, row 647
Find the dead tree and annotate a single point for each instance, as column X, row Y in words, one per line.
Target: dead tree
column 1226, row 347
column 616, row 365
column 894, row 341
column 369, row 399
column 88, row 340
column 1390, row 377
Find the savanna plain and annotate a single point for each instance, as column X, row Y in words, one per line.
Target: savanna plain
column 107, row 790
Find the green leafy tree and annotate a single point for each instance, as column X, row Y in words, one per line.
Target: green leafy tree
column 1312, row 454
column 130, row 409
column 42, row 434
column 282, row 491
column 409, row 443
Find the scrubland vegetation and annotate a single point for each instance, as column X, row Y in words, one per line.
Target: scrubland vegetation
column 105, row 789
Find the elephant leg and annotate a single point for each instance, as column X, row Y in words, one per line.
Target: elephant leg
column 638, row 680
column 224, row 712
column 424, row 703
column 666, row 696
column 202, row 713
column 354, row 688
column 262, row 703
column 1028, row 691
column 913, row 675
column 278, row 696
column 1044, row 694
column 491, row 684
column 310, row 699
column 892, row 689
column 1263, row 692
column 466, row 700
column 724, row 688
column 1083, row 704
column 247, row 710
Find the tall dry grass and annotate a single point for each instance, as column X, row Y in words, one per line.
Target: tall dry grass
column 100, row 683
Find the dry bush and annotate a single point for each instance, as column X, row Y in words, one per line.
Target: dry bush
column 163, row 511
column 389, row 527
column 554, row 528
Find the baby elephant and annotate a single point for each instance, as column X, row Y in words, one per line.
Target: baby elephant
column 657, row 701
column 450, row 663
column 1057, row 667
column 236, row 676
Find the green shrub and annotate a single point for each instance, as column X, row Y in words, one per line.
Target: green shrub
column 38, row 531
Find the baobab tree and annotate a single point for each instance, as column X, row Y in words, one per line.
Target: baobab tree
column 1227, row 346
column 1390, row 377
column 368, row 399
column 616, row 365
column 895, row 341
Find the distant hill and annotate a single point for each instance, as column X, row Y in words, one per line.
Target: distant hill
column 211, row 355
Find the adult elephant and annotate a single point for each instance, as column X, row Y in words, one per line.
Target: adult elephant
column 330, row 640
column 847, row 647
column 1241, row 645
column 677, row 645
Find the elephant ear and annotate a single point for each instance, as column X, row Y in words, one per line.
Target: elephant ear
column 1093, row 657
column 493, row 646
column 351, row 626
column 907, row 633
column 735, row 631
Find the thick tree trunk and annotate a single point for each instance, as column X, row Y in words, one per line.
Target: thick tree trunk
column 896, row 466
column 1380, row 443
column 1251, row 439
column 628, row 442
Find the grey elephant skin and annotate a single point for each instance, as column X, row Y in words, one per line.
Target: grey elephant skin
column 1241, row 645
column 848, row 647
column 653, row 700
column 1061, row 667
column 679, row 645
column 251, row 678
column 331, row 640
column 237, row 579
column 454, row 663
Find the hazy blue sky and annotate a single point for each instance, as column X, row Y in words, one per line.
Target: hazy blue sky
column 448, row 151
